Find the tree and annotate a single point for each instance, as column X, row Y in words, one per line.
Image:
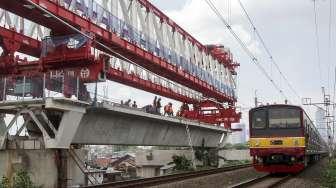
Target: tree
column 22, row 180
column 181, row 163
column 4, row 183
column 202, row 154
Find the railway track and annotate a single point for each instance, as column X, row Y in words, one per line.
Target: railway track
column 264, row 181
column 146, row 182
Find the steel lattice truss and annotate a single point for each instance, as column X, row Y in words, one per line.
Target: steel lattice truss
column 131, row 42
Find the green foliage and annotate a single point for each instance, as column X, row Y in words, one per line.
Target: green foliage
column 20, row 180
column 208, row 156
column 240, row 146
column 4, row 183
column 202, row 154
column 181, row 163
column 228, row 146
column 330, row 175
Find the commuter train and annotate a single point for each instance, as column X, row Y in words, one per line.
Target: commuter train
column 283, row 139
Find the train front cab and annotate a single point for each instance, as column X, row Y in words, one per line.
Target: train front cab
column 277, row 142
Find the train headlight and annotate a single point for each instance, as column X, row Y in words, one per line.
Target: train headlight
column 292, row 159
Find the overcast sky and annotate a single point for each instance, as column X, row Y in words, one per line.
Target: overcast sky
column 288, row 30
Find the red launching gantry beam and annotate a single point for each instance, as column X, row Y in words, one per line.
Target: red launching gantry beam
column 11, row 65
column 80, row 58
column 146, row 59
column 224, row 57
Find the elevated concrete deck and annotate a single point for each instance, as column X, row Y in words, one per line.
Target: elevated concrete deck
column 63, row 122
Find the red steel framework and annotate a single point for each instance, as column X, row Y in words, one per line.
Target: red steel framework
column 16, row 42
column 13, row 41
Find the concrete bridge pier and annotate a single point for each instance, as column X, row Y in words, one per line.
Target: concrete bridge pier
column 52, row 168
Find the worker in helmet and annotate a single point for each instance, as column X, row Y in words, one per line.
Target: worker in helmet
column 128, row 103
column 184, row 108
column 134, row 105
column 168, row 109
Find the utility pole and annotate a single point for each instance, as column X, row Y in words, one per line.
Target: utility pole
column 256, row 102
column 325, row 106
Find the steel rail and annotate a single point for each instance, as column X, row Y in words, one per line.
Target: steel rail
column 261, row 179
column 145, row 182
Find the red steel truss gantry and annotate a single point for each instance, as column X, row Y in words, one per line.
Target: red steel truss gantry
column 130, row 41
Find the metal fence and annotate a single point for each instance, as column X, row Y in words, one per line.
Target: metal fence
column 41, row 86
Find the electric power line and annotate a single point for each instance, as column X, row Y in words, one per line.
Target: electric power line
column 245, row 48
column 267, row 49
column 329, row 41
column 317, row 42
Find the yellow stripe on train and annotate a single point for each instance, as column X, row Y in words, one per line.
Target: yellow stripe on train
column 277, row 142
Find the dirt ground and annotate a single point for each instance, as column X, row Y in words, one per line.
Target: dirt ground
column 311, row 177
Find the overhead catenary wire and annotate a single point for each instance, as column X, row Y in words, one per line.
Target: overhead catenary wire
column 331, row 14
column 329, row 41
column 317, row 38
column 271, row 57
column 245, row 48
column 333, row 106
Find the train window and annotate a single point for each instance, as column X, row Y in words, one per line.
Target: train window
column 259, row 118
column 284, row 118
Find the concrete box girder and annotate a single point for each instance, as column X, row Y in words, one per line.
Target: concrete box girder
column 107, row 124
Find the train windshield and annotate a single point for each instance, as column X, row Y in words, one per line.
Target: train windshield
column 259, row 119
column 284, row 118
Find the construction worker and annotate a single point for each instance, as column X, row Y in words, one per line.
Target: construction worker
column 158, row 106
column 184, row 107
column 154, row 103
column 168, row 109
column 134, row 105
column 128, row 103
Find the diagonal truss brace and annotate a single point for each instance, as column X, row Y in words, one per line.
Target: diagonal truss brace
column 31, row 116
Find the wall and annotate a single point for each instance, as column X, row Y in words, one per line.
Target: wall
column 148, row 171
column 40, row 164
column 234, row 155
column 159, row 157
column 151, row 167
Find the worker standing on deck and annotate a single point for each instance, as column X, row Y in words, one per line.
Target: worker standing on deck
column 134, row 105
column 158, row 106
column 184, row 107
column 154, row 103
column 168, row 109
column 128, row 102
